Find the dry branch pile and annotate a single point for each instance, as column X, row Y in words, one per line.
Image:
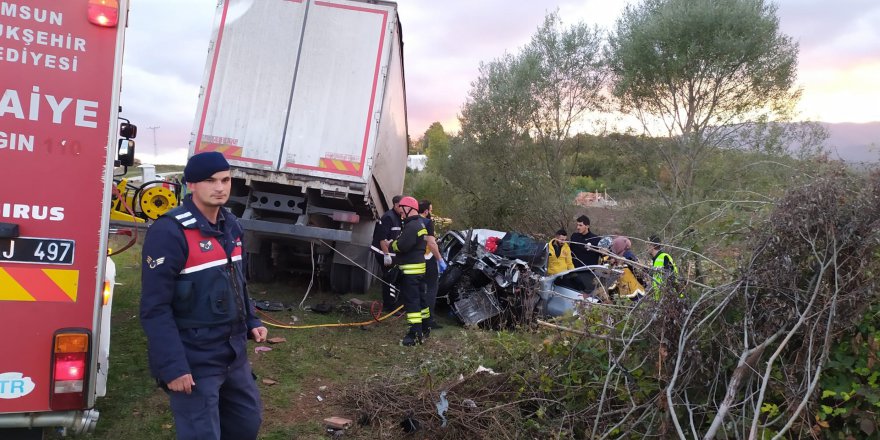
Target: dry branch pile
column 739, row 360
column 481, row 405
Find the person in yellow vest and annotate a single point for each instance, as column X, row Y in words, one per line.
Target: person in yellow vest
column 560, row 254
column 665, row 269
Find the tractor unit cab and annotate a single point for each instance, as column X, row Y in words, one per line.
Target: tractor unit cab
column 60, row 77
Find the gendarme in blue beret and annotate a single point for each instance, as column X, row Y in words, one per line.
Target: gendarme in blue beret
column 203, row 165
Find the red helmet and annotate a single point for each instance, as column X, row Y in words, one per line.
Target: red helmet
column 410, row 202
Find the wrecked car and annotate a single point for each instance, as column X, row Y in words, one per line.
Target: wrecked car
column 500, row 278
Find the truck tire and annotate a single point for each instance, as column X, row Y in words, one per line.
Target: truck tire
column 260, row 268
column 340, row 278
column 362, row 278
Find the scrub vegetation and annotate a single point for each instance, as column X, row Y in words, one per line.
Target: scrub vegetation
column 303, row 380
column 772, row 334
column 773, row 331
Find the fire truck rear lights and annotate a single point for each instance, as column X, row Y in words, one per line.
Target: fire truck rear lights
column 68, row 386
column 71, row 343
column 104, row 12
column 108, row 292
column 69, row 367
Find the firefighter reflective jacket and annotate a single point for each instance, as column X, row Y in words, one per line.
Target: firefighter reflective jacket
column 663, row 267
column 194, row 305
column 559, row 263
column 410, row 246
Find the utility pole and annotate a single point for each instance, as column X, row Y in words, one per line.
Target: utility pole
column 155, row 150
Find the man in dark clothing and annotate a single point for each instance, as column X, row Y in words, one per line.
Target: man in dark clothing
column 196, row 313
column 434, row 266
column 387, row 229
column 410, row 249
column 582, row 255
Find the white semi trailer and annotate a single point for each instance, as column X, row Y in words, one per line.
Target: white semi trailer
column 306, row 99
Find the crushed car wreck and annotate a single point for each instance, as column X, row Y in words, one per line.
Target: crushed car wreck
column 499, row 279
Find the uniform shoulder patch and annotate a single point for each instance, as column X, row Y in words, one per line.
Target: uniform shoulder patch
column 152, row 263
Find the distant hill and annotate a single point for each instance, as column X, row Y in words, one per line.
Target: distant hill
column 853, row 142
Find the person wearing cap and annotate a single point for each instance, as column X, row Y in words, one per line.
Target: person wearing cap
column 559, row 259
column 386, row 230
column 196, row 313
column 410, row 249
column 664, row 267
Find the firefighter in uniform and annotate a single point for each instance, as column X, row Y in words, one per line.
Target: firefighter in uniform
column 196, row 313
column 410, row 249
column 664, row 267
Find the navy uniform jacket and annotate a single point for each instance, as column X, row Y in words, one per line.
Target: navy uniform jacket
column 410, row 246
column 388, row 228
column 171, row 257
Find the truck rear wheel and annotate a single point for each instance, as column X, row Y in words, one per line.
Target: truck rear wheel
column 260, row 266
column 340, row 278
column 362, row 278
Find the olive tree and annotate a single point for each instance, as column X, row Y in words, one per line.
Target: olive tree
column 568, row 77
column 519, row 114
column 697, row 72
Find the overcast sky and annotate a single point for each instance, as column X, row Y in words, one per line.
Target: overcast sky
column 445, row 41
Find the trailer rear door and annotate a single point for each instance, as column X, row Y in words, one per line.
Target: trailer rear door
column 297, row 85
column 337, row 97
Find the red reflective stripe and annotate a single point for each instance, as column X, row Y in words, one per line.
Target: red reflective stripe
column 197, row 257
column 38, row 285
column 231, row 151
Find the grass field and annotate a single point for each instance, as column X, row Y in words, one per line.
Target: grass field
column 311, row 369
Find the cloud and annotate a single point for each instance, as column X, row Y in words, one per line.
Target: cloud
column 165, row 51
column 445, row 42
column 829, row 33
column 159, row 100
column 170, row 37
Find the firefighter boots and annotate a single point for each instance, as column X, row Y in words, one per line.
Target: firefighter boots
column 413, row 336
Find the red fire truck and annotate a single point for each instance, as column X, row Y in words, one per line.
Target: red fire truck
column 60, row 77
